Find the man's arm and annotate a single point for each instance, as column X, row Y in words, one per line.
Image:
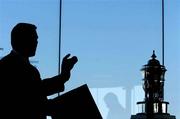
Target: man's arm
column 56, row 83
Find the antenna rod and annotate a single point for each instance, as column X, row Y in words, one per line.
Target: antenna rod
column 162, row 32
column 60, row 14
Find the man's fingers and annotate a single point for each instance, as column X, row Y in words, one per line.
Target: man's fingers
column 75, row 59
column 66, row 56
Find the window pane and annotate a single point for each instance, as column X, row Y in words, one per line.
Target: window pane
column 113, row 39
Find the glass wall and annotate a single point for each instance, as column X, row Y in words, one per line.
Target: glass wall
column 112, row 39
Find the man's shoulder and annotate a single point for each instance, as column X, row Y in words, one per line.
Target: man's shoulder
column 8, row 60
column 5, row 58
column 10, row 64
column 4, row 62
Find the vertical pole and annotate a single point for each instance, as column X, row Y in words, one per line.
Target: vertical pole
column 60, row 34
column 162, row 32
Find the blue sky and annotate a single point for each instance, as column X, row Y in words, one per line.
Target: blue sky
column 113, row 39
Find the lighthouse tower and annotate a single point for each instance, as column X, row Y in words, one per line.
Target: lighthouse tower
column 153, row 106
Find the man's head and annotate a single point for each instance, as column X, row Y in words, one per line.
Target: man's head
column 24, row 39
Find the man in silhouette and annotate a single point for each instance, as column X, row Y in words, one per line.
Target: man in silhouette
column 115, row 109
column 23, row 93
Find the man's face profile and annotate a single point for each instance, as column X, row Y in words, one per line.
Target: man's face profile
column 32, row 44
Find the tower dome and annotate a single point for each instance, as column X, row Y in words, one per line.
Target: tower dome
column 153, row 61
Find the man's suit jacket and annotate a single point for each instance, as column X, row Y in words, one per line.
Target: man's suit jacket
column 23, row 93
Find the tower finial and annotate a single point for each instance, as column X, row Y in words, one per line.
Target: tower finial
column 153, row 55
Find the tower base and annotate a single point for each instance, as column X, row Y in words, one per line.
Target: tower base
column 155, row 116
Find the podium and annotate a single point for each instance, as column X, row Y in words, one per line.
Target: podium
column 76, row 104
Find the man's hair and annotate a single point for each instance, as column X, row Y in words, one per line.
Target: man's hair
column 20, row 34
